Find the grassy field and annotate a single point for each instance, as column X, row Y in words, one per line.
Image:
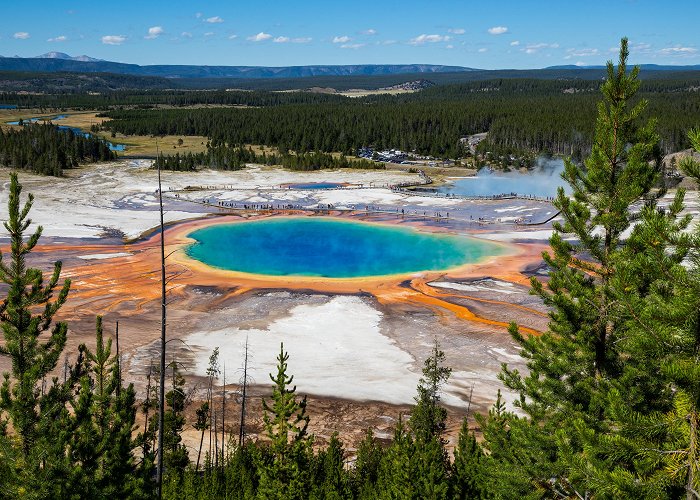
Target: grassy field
column 146, row 145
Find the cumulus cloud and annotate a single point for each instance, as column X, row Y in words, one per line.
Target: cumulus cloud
column 483, row 49
column 186, row 34
column 113, row 39
column 515, row 43
column 282, row 39
column 214, row 20
column 369, row 32
column 260, row 37
column 457, row 31
column 498, row 30
column 423, row 39
column 21, row 35
column 352, row 45
column 341, row 39
column 154, row 32
column 60, row 38
column 232, row 37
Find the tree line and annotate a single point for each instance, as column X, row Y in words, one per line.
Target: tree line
column 520, row 116
column 223, row 157
column 609, row 406
column 46, row 149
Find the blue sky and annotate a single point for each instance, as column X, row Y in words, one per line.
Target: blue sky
column 484, row 34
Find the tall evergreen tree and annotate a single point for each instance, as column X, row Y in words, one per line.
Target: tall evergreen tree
column 573, row 366
column 286, row 423
column 32, row 341
column 660, row 278
column 427, row 416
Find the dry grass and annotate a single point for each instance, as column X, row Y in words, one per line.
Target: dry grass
column 146, row 145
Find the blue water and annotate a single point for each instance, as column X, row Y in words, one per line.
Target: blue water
column 333, row 248
column 315, row 185
column 75, row 130
column 8, row 106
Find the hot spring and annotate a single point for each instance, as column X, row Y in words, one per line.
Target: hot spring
column 331, row 248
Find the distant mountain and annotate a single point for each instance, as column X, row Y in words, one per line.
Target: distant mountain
column 66, row 57
column 646, row 67
column 59, row 62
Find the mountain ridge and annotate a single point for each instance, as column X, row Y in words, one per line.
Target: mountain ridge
column 60, row 62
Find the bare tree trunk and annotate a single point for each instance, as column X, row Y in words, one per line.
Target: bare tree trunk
column 216, row 444
column 161, row 405
column 223, row 420
column 148, row 405
column 693, row 457
column 241, row 429
column 119, row 362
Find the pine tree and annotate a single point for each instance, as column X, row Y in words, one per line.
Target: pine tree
column 469, row 466
column 175, row 455
column 330, row 480
column 286, row 423
column 398, row 472
column 660, row 277
column 574, row 365
column 428, row 417
column 367, row 465
column 31, row 342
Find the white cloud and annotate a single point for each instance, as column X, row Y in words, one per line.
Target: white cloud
column 423, row 39
column 483, row 49
column 450, row 46
column 113, row 39
column 580, row 63
column 286, row 39
column 515, row 43
column 341, row 39
column 154, row 32
column 209, row 33
column 186, row 34
column 21, row 35
column 232, row 37
column 260, row 37
column 388, row 42
column 498, row 30
column 198, row 15
column 457, row 31
column 214, row 20
column 571, row 53
column 678, row 51
column 61, row 38
column 369, row 32
column 352, row 45
column 533, row 48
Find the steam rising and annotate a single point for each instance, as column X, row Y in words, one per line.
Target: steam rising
column 542, row 181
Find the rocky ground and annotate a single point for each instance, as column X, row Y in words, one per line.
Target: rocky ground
column 355, row 349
